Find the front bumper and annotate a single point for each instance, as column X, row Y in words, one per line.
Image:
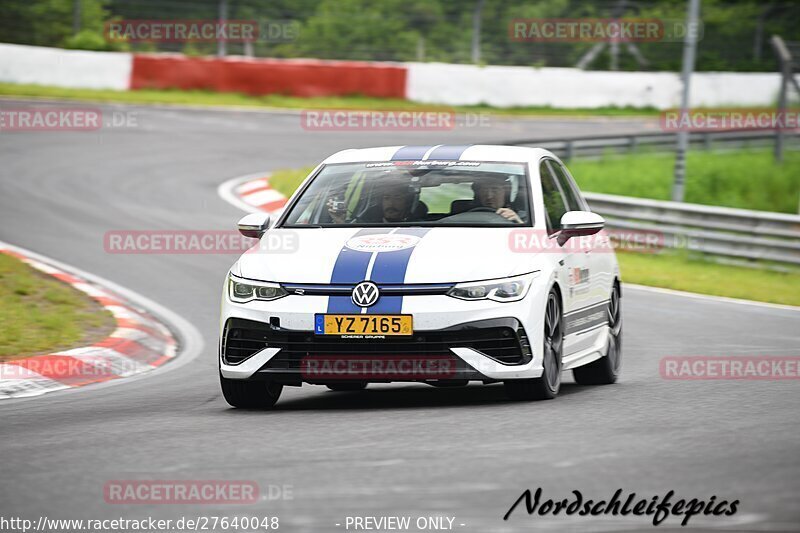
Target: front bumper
column 485, row 350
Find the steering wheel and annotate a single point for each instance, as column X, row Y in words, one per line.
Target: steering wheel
column 481, row 209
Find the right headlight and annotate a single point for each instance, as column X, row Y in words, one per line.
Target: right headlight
column 498, row 290
column 242, row 291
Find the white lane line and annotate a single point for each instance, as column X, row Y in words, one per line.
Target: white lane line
column 709, row 297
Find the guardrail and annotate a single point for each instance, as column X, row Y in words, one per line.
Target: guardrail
column 567, row 148
column 721, row 231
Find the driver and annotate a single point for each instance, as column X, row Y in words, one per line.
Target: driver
column 494, row 192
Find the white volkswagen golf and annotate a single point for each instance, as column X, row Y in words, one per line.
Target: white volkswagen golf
column 434, row 264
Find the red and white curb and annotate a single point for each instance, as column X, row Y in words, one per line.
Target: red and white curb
column 253, row 194
column 140, row 343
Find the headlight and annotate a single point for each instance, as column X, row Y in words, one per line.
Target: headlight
column 241, row 292
column 498, row 290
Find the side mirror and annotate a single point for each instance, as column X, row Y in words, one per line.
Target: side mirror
column 579, row 224
column 254, row 225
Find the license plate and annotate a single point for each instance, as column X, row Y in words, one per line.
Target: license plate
column 363, row 325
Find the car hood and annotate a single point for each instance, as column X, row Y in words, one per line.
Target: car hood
column 384, row 255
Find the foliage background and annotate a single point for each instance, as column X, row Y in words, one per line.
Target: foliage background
column 736, row 32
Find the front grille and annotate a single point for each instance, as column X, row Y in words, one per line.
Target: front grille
column 501, row 339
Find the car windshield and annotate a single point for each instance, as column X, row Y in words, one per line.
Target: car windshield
column 414, row 193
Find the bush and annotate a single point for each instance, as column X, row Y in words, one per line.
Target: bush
column 92, row 40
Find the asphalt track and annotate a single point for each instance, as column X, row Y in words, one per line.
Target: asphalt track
column 394, row 449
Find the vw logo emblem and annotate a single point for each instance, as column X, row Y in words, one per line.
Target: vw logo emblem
column 365, row 294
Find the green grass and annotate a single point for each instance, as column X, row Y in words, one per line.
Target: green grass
column 744, row 179
column 285, row 181
column 684, row 272
column 208, row 98
column 748, row 179
column 672, row 270
column 40, row 314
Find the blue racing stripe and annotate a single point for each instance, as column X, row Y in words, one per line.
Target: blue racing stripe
column 390, row 268
column 350, row 268
column 448, row 153
column 411, row 153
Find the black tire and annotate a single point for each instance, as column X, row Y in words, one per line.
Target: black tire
column 605, row 370
column 347, row 387
column 547, row 386
column 246, row 394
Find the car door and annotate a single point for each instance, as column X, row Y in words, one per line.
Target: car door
column 593, row 269
column 571, row 263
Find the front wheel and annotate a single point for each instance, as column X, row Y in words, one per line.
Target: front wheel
column 545, row 387
column 605, row 370
column 250, row 394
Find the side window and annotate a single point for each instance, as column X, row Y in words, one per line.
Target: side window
column 553, row 200
column 574, row 200
column 573, row 203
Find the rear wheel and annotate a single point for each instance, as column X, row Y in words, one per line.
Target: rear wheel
column 545, row 387
column 250, row 394
column 605, row 370
column 350, row 386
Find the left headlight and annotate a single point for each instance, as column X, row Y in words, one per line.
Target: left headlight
column 498, row 290
column 242, row 291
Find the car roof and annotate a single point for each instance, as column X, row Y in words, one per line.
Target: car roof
column 474, row 152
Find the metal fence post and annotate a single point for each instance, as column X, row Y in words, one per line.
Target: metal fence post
column 76, row 16
column 476, row 32
column 689, row 49
column 223, row 16
column 785, row 60
column 570, row 151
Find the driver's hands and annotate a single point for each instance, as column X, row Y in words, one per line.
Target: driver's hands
column 509, row 214
column 336, row 210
